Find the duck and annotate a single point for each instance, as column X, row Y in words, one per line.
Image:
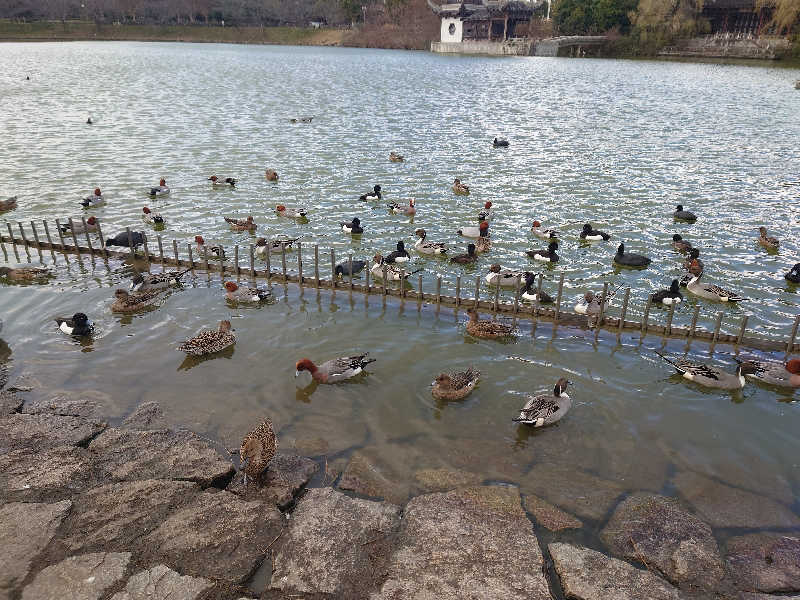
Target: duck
column 237, row 293
column 423, row 246
column 591, row 234
column 24, row 273
column 128, row 303
column 77, row 226
column 393, row 272
column 343, row 269
column 546, row 409
column 372, row 196
column 500, row 143
column 79, row 324
column 708, row 376
column 152, row 218
column 210, row 341
column 542, row 233
column 215, row 181
column 8, row 204
column 486, row 213
column 155, row 281
column 410, row 209
column 711, row 292
column 469, row 257
column 530, row 291
column 486, row 329
column 459, row 188
column 160, row 190
column 271, row 175
column 592, row 303
column 291, row 213
column 398, row 256
column 768, row 242
column 684, row 215
column 241, row 224
column 455, row 386
column 353, row 227
column 135, row 240
column 394, row 157
column 257, row 449
column 96, row 199
column 88, row 120
column 630, row 259
column 548, row 255
column 335, row 370
column 482, row 244
column 217, row 251
column 680, row 244
column 668, row 297
column 481, row 230
column 793, row 276
column 497, row 275
column 277, row 246
column 776, row 373
column 693, row 264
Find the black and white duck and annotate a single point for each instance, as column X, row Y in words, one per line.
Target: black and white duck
column 399, row 256
column 423, row 246
column 710, row 376
column 79, row 324
column 531, row 293
column 590, row 234
column 500, row 142
column 668, row 297
column 548, row 255
column 353, row 227
column 372, row 196
column 793, row 276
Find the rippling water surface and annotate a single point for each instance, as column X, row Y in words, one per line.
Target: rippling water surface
column 617, row 143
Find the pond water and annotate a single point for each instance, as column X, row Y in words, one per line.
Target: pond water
column 617, row 143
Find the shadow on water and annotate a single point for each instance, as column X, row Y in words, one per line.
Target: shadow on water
column 190, row 362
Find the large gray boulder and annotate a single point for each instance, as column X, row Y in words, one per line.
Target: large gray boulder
column 659, row 533
column 45, row 431
column 86, row 577
column 25, row 530
column 53, row 474
column 334, row 545
column 66, row 405
column 147, row 415
column 286, row 475
column 162, row 583
column 765, row 562
column 10, row 402
column 549, row 516
column 589, row 575
column 444, row 480
column 469, row 543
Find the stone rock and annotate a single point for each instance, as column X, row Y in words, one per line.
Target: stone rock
column 218, row 535
column 469, row 543
column 26, row 382
column 147, row 415
column 25, row 530
column 765, row 562
column 757, row 596
column 162, row 583
column 280, row 483
column 657, row 532
column 363, row 477
column 720, row 505
column 576, row 491
column 549, row 516
column 334, row 545
column 35, row 476
column 128, row 454
column 443, row 480
column 589, row 575
column 9, row 402
column 65, row 405
column 86, row 577
column 3, row 370
column 45, row 431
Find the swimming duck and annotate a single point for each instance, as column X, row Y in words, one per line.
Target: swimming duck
column 353, row 227
column 160, row 190
column 770, row 243
column 776, row 373
column 88, row 121
column 593, row 235
column 8, row 204
column 708, row 376
column 630, row 259
column 96, row 199
column 271, row 175
column 394, row 157
column 343, row 269
column 393, row 272
column 291, row 213
column 210, row 341
column 152, row 218
column 128, row 303
column 241, row 224
column 486, row 329
column 24, row 273
column 335, row 370
column 276, row 246
column 79, row 324
column 423, row 246
column 398, row 256
column 257, row 449
column 548, row 255
column 482, row 244
column 155, row 281
column 684, row 215
column 530, row 292
column 591, row 303
column 469, row 257
column 486, row 213
column 237, row 293
column 77, row 226
column 693, row 264
column 546, row 409
column 459, row 188
column 121, row 239
column 542, row 233
column 372, row 196
column 793, row 276
column 455, row 386
column 500, row 143
column 213, row 250
column 301, row 120
column 215, row 181
column 481, row 230
column 711, row 292
column 409, row 209
column 497, row 275
column 668, row 297
column 680, row 244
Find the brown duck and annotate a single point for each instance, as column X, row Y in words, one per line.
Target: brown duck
column 24, row 273
column 241, row 224
column 455, row 386
column 271, row 175
column 258, row 448
column 209, row 341
column 486, row 329
column 128, row 303
column 769, row 242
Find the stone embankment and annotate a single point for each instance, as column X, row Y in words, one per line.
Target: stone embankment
column 143, row 511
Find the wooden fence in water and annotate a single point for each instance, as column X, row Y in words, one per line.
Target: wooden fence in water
column 467, row 295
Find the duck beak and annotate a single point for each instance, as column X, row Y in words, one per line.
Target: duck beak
column 297, row 373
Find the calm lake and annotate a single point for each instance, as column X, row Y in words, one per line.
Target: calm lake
column 614, row 143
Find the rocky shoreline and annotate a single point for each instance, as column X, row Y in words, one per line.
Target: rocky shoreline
column 142, row 510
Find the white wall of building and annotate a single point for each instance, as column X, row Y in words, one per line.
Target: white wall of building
column 452, row 30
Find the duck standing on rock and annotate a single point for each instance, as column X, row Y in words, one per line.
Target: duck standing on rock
column 210, row 341
column 469, row 257
column 591, row 234
column 668, row 297
column 455, row 386
column 237, row 293
column 258, row 448
column 490, row 330
column 372, row 196
column 423, row 246
column 8, row 204
column 708, row 376
column 630, row 259
column 353, row 227
column 335, row 370
column 222, row 181
column 680, row 244
column 543, row 233
column 793, row 276
column 768, row 242
column 79, row 324
column 459, row 188
column 546, row 409
column 128, row 303
column 241, row 224
column 160, row 190
column 24, row 273
column 684, row 215
column 95, row 199
column 271, row 175
column 548, row 255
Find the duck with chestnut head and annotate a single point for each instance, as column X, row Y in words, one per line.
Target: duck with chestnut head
column 334, row 370
column 159, row 190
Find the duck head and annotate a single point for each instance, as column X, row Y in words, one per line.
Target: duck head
column 746, row 368
column 357, row 222
column 411, row 203
column 420, row 233
column 552, row 247
column 589, row 297
column 376, row 189
column 456, row 181
column 198, row 239
column 213, row 178
column 231, row 286
column 793, row 366
column 304, row 364
column 673, row 287
column 762, row 231
column 694, row 253
column 91, row 220
column 560, row 387
column 471, row 249
column 261, row 242
column 80, row 319
column 443, row 381
column 495, row 268
column 587, row 227
column 377, row 259
column 487, row 206
column 796, row 268
column 280, row 208
column 162, row 182
column 97, row 192
column 401, row 246
column 621, row 249
column 146, row 210
column 473, row 314
column 121, row 294
column 224, row 326
column 676, row 238
column 537, row 224
column 484, row 229
column 679, row 207
column 249, row 219
column 530, row 278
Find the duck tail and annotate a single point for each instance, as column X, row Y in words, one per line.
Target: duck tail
column 412, row 272
column 366, row 361
column 670, row 361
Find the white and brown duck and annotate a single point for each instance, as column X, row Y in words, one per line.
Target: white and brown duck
column 241, row 224
column 459, row 188
column 335, row 370
column 243, row 293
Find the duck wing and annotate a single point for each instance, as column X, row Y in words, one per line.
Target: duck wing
column 345, row 366
column 723, row 293
column 685, row 366
column 462, row 379
column 538, row 409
